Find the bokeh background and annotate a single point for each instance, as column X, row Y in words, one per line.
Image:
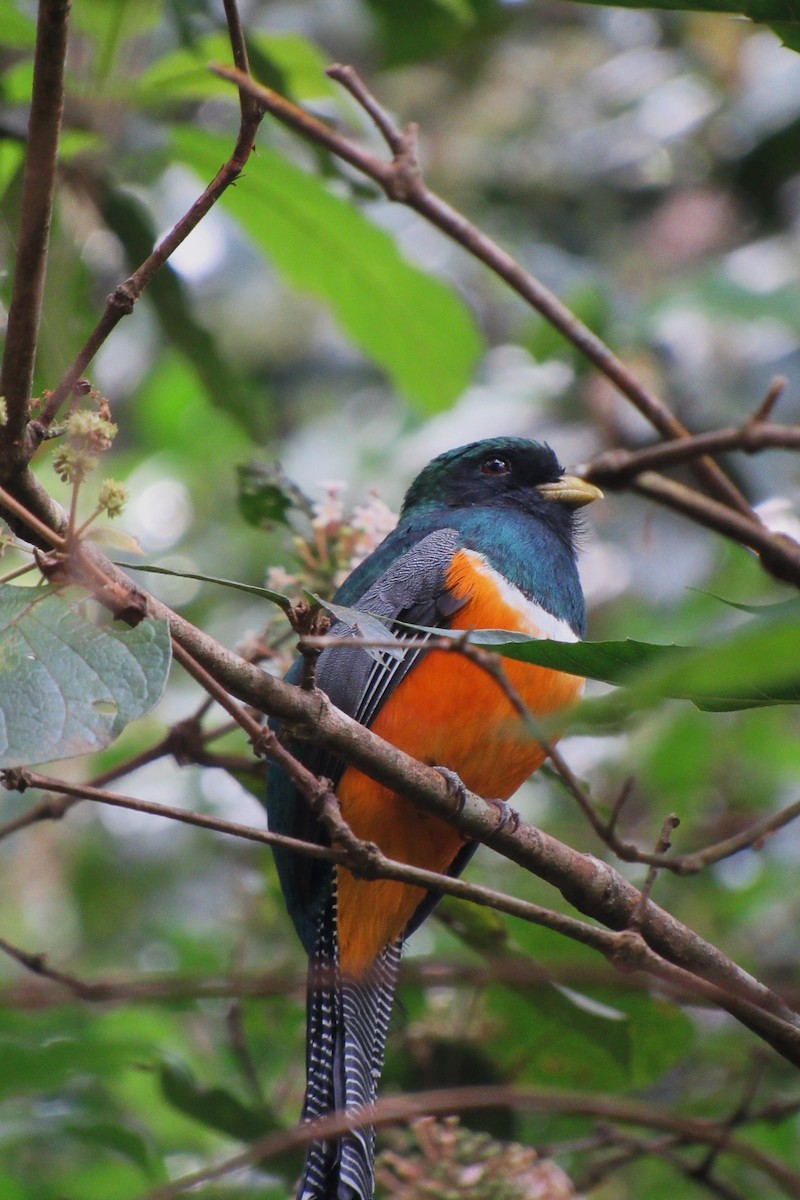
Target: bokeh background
column 646, row 167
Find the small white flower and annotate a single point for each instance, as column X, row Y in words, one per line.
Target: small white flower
column 330, row 511
column 371, row 521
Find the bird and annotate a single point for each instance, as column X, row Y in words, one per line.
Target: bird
column 486, row 539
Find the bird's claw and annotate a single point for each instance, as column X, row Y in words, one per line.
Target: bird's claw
column 506, row 816
column 455, row 787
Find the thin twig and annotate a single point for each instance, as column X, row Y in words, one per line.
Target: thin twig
column 616, row 468
column 662, row 846
column 21, row 780
column 698, row 860
column 620, row 800
column 24, row 569
column 121, row 302
column 401, row 180
column 773, row 394
column 519, row 972
column 702, row 1171
column 513, row 970
column 240, row 715
column 185, row 741
column 633, row 1148
column 238, row 1038
column 39, row 965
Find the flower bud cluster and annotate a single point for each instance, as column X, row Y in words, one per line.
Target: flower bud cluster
column 88, row 434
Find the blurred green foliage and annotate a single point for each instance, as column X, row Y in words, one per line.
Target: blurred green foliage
column 647, row 167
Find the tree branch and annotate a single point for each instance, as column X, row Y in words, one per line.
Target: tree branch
column 720, row 981
column 401, row 180
column 591, row 886
column 38, row 186
column 696, row 860
column 401, row 1109
column 680, row 864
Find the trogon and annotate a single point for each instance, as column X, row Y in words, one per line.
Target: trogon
column 485, row 540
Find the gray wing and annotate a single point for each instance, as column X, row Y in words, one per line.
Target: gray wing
column 413, row 589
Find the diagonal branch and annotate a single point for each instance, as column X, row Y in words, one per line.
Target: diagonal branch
column 401, row 180
column 605, row 828
column 589, row 885
column 660, row 945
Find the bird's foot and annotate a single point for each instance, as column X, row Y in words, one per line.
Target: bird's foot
column 507, row 816
column 455, row 787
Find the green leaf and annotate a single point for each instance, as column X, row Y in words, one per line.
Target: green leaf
column 609, row 662
column 264, row 593
column 18, row 31
column 407, row 322
column 212, row 1106
column 757, row 665
column 34, row 1067
column 411, row 30
column 11, row 1189
column 68, row 686
column 782, row 15
column 788, row 32
column 267, row 495
column 486, row 933
column 574, row 1047
column 128, row 1143
column 780, row 608
column 298, row 69
column 11, row 156
column 17, row 82
column 109, row 23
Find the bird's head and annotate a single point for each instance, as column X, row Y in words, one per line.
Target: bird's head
column 498, row 473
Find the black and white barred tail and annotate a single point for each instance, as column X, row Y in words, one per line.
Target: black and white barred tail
column 346, row 1027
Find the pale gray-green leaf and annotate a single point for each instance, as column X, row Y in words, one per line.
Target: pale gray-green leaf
column 68, row 686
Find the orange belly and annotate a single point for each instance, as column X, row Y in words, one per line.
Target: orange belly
column 450, row 712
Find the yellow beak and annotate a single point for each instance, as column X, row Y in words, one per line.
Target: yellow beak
column 570, row 490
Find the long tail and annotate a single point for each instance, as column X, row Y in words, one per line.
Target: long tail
column 346, row 1027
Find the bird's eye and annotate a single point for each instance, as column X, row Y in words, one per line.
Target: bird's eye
column 495, row 465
